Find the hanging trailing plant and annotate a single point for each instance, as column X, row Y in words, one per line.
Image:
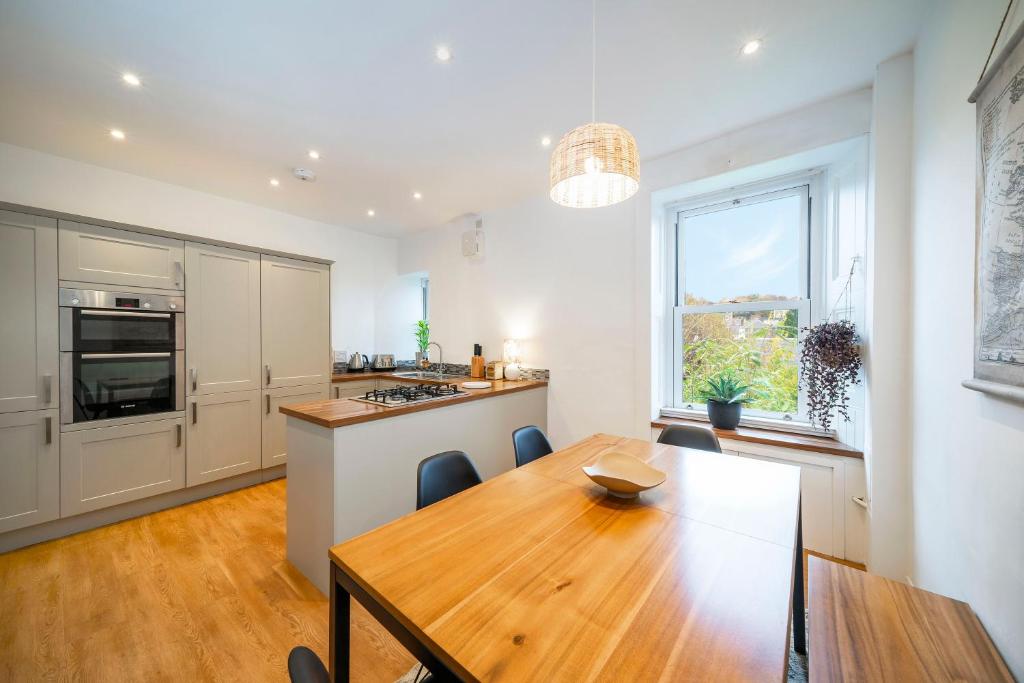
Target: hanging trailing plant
column 829, row 365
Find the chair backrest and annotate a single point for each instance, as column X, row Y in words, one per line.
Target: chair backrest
column 690, row 436
column 443, row 475
column 305, row 667
column 530, row 444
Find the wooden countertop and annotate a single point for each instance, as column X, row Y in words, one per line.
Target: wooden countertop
column 869, row 628
column 537, row 575
column 770, row 437
column 341, row 412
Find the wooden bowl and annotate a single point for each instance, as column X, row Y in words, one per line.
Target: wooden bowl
column 623, row 475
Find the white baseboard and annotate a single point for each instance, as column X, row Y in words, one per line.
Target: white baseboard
column 58, row 528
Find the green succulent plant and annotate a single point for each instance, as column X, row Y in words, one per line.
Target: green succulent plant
column 725, row 388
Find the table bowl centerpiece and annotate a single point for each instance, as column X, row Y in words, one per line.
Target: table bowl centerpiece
column 623, row 475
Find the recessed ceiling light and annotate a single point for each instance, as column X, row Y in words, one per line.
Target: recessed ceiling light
column 371, row 213
column 417, row 195
column 131, row 79
column 443, row 53
column 117, row 134
column 545, row 141
column 751, row 47
column 275, row 182
column 313, row 154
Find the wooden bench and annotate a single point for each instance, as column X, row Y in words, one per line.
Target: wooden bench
column 867, row 628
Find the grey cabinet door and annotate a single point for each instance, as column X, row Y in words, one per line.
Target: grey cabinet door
column 29, row 469
column 223, row 435
column 296, row 321
column 275, row 443
column 28, row 312
column 111, row 465
column 106, row 256
column 222, row 334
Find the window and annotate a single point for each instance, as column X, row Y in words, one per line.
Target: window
column 742, row 281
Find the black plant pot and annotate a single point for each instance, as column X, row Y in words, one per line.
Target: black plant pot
column 724, row 415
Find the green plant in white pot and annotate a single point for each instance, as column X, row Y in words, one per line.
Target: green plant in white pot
column 422, row 340
column 725, row 396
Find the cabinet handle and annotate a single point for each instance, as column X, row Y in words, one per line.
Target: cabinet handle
column 48, row 429
column 178, row 428
column 337, row 392
column 268, row 404
column 195, row 377
column 177, row 273
column 267, row 366
column 859, row 500
column 195, row 412
column 47, row 389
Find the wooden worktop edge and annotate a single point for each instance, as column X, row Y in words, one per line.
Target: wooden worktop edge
column 383, row 413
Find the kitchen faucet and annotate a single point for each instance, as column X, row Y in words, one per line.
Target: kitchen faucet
column 440, row 356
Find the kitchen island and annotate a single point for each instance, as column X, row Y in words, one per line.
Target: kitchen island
column 352, row 465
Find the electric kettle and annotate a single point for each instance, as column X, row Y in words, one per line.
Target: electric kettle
column 357, row 362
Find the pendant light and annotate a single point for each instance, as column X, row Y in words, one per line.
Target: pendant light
column 595, row 164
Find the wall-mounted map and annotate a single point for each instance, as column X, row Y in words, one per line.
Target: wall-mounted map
column 999, row 286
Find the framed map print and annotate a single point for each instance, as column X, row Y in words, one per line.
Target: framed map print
column 999, row 270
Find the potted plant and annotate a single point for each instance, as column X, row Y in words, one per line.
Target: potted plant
column 422, row 340
column 725, row 396
column 829, row 364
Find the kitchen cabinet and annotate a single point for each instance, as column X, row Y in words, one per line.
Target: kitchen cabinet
column 106, row 256
column 275, row 446
column 29, row 469
column 295, row 322
column 222, row 335
column 223, row 435
column 28, row 302
column 111, row 465
column 352, row 389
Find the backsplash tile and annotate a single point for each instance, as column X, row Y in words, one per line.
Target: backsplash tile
column 454, row 368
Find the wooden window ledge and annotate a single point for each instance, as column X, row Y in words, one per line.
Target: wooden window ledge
column 769, row 437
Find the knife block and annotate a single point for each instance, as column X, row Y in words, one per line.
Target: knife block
column 476, row 366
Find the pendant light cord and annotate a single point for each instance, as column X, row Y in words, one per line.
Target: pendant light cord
column 593, row 62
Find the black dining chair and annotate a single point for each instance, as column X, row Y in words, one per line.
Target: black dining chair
column 690, row 436
column 530, row 444
column 443, row 475
column 305, row 667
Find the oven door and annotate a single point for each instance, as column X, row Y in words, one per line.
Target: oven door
column 102, row 330
column 101, row 386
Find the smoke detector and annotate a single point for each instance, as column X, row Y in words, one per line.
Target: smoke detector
column 304, row 174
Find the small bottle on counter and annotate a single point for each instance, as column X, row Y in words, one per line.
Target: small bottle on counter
column 476, row 365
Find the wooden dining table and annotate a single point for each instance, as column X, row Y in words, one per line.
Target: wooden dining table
column 539, row 575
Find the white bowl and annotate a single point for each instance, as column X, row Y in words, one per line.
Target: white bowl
column 623, row 475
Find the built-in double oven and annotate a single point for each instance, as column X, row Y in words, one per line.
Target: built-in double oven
column 122, row 354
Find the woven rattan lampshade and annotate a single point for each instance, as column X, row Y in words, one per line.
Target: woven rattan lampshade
column 595, row 165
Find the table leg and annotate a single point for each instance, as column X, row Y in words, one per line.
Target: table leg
column 340, row 642
column 799, row 616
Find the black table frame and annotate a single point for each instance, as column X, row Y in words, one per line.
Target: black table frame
column 344, row 588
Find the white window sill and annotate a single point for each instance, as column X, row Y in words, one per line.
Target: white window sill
column 777, row 424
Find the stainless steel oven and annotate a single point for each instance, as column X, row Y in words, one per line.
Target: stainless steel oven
column 122, row 354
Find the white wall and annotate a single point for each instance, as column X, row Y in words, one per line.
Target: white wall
column 968, row 449
column 577, row 284
column 561, row 281
column 886, row 335
column 362, row 262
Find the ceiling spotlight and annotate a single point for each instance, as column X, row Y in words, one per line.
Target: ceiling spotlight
column 751, row 47
column 417, row 195
column 371, row 213
column 117, row 134
column 443, row 53
column 275, row 182
column 545, row 141
column 313, row 154
column 131, row 79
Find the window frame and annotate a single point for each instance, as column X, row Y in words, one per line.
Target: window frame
column 810, row 184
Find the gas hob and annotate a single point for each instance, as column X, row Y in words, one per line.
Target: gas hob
column 404, row 395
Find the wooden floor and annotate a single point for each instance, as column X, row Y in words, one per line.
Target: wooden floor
column 200, row 592
column 196, row 593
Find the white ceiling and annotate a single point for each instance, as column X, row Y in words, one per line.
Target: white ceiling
column 235, row 92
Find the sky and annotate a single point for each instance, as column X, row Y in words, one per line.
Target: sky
column 751, row 249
